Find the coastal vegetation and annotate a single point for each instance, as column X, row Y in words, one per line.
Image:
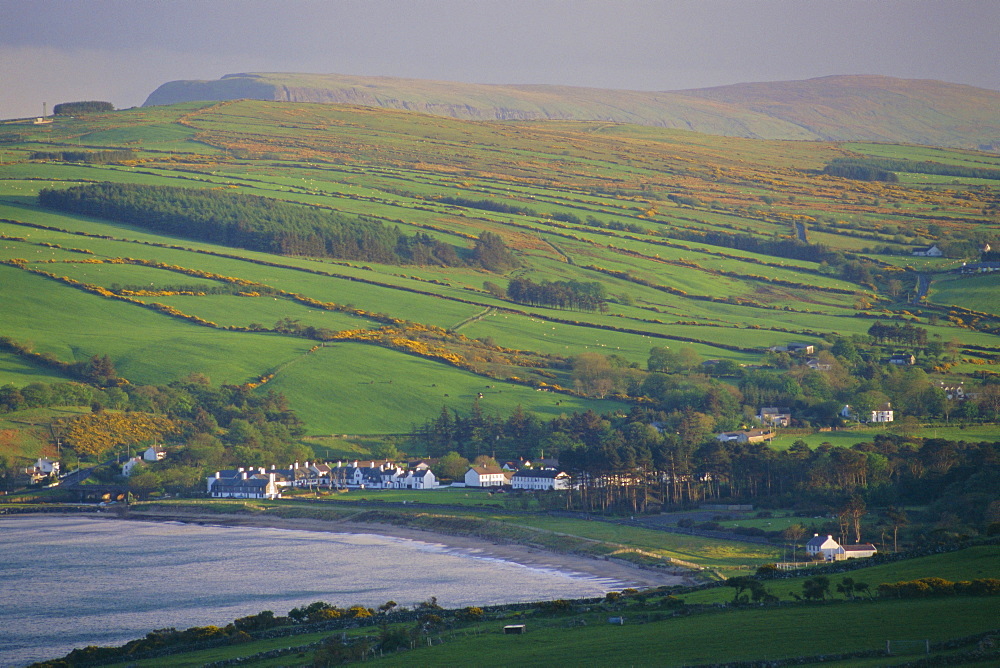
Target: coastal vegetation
column 828, row 622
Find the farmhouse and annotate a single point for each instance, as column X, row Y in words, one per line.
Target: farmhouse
column 824, row 546
column 883, row 413
column 540, row 479
column 902, row 359
column 978, row 267
column 794, row 347
column 861, row 551
column 817, row 365
column 928, row 251
column 751, row 436
column 831, row 550
column 154, row 453
column 773, row 415
column 486, row 476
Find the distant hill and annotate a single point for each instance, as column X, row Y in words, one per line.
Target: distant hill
column 845, row 108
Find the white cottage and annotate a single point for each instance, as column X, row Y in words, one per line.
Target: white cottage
column 825, row 546
column 485, row 476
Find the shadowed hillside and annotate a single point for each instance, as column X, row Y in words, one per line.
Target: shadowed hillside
column 871, row 108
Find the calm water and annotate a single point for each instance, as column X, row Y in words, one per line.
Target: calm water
column 70, row 582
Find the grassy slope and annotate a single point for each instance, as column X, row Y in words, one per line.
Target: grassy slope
column 391, row 165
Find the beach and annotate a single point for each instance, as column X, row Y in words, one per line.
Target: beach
column 525, row 555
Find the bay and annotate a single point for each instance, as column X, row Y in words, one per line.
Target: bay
column 68, row 581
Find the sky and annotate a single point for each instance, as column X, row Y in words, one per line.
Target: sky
column 119, row 51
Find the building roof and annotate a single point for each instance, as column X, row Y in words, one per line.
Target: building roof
column 487, row 470
column 863, row 547
column 543, row 474
column 819, row 541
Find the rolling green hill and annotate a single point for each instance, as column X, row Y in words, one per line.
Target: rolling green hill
column 870, row 108
column 691, row 237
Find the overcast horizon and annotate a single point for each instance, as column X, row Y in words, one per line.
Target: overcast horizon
column 119, row 51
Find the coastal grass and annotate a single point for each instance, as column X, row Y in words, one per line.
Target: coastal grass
column 764, row 634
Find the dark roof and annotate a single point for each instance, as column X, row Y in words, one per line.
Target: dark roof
column 538, row 473
column 240, row 484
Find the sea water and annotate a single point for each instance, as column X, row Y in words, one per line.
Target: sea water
column 70, row 581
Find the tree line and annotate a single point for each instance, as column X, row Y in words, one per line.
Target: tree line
column 645, row 461
column 579, row 295
column 881, row 166
column 858, row 170
column 90, row 157
column 902, row 334
column 86, row 107
column 267, row 225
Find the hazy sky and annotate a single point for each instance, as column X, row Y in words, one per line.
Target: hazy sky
column 120, row 50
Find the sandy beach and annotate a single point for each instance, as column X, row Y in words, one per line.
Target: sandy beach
column 633, row 576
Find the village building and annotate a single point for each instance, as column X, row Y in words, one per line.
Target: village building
column 128, row 468
column 541, row 479
column 486, row 476
column 903, row 359
column 243, row 484
column 42, row 469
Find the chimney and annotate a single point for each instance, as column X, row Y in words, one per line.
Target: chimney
column 243, row 475
column 218, row 474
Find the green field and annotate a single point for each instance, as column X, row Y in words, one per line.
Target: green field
column 593, row 213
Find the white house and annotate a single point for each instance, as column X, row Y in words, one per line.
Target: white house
column 485, row 476
column 47, row 466
column 154, row 453
column 129, row 467
column 834, row 551
column 825, row 546
column 883, row 413
column 418, row 479
column 929, row 251
column 246, row 485
column 540, row 479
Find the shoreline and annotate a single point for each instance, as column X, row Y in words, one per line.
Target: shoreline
column 532, row 557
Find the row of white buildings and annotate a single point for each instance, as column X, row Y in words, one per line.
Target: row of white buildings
column 263, row 483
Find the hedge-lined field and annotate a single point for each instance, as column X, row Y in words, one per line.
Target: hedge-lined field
column 568, row 198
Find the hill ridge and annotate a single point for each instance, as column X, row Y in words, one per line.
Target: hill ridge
column 862, row 107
